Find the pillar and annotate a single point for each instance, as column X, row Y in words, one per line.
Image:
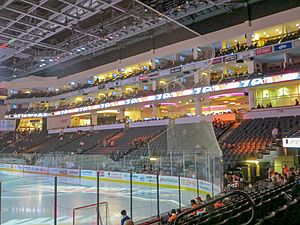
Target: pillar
column 121, row 114
column 153, row 63
column 154, row 85
column 195, row 53
column 155, row 111
column 94, row 118
column 198, row 106
column 248, row 39
column 121, row 90
column 196, row 77
column 286, row 60
column 251, row 66
column 251, row 97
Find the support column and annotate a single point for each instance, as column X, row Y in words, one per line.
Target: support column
column 248, row 39
column 153, row 62
column 251, row 97
column 94, row 119
column 198, row 106
column 154, row 85
column 121, row 114
column 121, row 89
column 155, row 112
column 195, row 53
column 251, row 66
column 286, row 60
column 196, row 77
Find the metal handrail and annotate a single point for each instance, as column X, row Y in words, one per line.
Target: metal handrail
column 238, row 192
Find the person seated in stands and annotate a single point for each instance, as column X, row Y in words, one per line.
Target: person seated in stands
column 275, row 133
column 296, row 102
column 219, row 204
column 195, row 205
column 279, row 179
column 291, row 177
column 208, row 208
column 61, row 138
column 124, row 217
column 173, row 216
column 295, row 192
column 258, row 106
column 81, row 143
column 79, row 150
column 285, row 169
column 199, row 200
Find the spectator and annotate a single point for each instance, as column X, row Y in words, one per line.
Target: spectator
column 194, row 205
column 219, row 204
column 81, row 144
column 285, row 169
column 295, row 192
column 275, row 133
column 173, row 216
column 226, row 180
column 291, row 177
column 125, row 217
column 296, row 102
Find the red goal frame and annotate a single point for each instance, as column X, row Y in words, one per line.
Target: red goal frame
column 88, row 206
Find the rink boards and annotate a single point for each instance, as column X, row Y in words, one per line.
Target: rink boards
column 189, row 184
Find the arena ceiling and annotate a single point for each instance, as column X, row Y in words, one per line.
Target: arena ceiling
column 38, row 34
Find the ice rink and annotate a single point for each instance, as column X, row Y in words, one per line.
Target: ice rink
column 28, row 199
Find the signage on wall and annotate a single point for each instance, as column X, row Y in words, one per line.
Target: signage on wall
column 170, row 95
column 297, row 43
column 291, row 142
column 143, row 77
column 230, row 58
column 175, row 70
column 246, row 55
column 264, row 50
column 284, row 46
column 217, row 61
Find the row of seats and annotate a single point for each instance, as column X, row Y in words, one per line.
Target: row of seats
column 272, row 207
column 253, row 137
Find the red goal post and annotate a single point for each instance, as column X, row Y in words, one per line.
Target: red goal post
column 87, row 214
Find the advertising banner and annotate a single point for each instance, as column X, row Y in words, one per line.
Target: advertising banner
column 291, row 142
column 7, row 125
column 88, row 173
column 283, row 46
column 264, row 50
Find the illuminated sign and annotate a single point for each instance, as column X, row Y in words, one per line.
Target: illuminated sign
column 175, row 70
column 217, row 61
column 284, row 46
column 264, row 50
column 230, row 58
column 169, row 95
column 291, row 142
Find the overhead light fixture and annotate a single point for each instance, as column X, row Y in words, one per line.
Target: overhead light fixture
column 78, row 50
column 50, row 60
column 82, row 48
column 42, row 60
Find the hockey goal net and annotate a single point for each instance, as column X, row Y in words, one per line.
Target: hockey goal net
column 87, row 214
